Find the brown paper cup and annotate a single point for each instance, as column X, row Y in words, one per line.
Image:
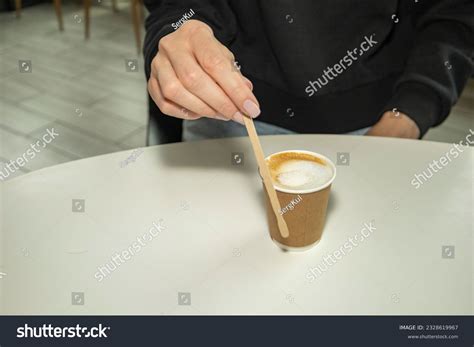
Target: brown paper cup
column 305, row 212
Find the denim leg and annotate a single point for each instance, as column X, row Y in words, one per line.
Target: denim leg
column 207, row 128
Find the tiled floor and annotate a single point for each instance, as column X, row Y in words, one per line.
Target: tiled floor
column 82, row 88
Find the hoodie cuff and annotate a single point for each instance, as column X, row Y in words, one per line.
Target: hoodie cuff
column 418, row 102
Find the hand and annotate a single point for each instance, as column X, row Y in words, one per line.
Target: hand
column 193, row 75
column 395, row 124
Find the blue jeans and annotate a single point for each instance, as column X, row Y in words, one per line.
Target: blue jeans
column 207, row 128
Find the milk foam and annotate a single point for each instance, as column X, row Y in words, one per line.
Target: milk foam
column 302, row 174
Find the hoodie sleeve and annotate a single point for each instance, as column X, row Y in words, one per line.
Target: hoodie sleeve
column 165, row 16
column 440, row 63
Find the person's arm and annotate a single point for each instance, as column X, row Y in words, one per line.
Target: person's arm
column 436, row 72
column 190, row 71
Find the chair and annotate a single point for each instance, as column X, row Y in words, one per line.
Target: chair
column 57, row 8
column 137, row 20
column 87, row 7
column 136, row 12
column 18, row 8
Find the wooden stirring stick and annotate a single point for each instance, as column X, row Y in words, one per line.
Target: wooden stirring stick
column 267, row 179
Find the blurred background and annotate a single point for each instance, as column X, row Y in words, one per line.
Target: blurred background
column 77, row 66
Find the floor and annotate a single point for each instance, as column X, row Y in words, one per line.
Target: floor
column 84, row 90
column 81, row 88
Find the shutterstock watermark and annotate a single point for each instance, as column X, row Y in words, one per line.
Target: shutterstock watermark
column 333, row 72
column 125, row 255
column 50, row 331
column 132, row 157
column 29, row 154
column 331, row 259
column 444, row 160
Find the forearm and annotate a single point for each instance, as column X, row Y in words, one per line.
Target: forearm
column 440, row 62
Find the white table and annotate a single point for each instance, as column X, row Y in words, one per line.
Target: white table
column 214, row 243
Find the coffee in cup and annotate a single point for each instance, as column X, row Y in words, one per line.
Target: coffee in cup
column 302, row 181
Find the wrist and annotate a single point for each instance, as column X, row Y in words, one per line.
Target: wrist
column 395, row 124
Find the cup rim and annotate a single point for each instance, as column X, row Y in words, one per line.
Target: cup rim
column 305, row 191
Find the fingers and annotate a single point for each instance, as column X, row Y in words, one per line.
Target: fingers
column 196, row 81
column 174, row 91
column 220, row 67
column 248, row 83
column 236, row 68
column 193, row 75
column 168, row 108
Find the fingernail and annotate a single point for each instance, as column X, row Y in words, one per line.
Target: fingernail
column 251, row 108
column 239, row 118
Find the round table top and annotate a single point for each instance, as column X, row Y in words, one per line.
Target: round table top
column 181, row 229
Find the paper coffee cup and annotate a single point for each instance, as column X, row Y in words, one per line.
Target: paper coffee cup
column 304, row 210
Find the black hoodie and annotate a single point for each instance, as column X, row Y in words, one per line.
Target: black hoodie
column 333, row 66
